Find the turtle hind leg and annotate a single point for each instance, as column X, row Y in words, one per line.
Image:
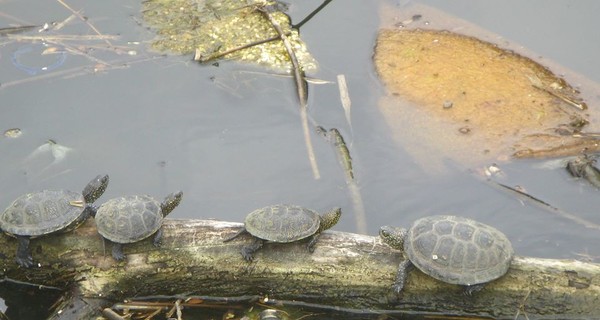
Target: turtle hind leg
column 469, row 290
column 237, row 234
column 157, row 242
column 24, row 258
column 248, row 250
column 117, row 251
column 403, row 268
column 312, row 242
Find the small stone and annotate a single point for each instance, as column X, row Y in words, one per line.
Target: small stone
column 464, row 130
column 448, row 104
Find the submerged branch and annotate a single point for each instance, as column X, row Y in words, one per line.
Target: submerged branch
column 206, row 58
column 546, row 206
column 301, row 87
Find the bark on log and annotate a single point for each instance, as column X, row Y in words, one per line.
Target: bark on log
column 347, row 271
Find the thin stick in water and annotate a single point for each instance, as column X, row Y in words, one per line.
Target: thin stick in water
column 301, row 87
column 548, row 207
column 345, row 98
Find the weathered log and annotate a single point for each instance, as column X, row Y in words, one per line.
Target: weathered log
column 347, row 271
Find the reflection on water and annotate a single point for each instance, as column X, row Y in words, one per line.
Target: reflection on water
column 233, row 142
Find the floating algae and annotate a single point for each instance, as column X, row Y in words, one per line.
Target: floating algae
column 460, row 98
column 210, row 27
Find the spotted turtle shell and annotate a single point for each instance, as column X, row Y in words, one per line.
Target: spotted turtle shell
column 41, row 213
column 458, row 250
column 129, row 219
column 282, row 223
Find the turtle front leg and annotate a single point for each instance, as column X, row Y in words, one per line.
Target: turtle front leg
column 158, row 238
column 312, row 242
column 117, row 251
column 403, row 268
column 248, row 250
column 24, row 258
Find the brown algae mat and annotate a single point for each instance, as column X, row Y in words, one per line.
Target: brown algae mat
column 456, row 97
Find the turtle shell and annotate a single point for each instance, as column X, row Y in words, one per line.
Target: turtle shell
column 282, row 223
column 458, row 250
column 44, row 212
column 129, row 219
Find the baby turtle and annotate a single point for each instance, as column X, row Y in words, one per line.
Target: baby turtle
column 285, row 223
column 451, row 249
column 131, row 219
column 41, row 213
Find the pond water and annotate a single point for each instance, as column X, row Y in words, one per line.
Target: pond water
column 230, row 136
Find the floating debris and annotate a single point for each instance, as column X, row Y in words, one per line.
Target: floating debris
column 583, row 167
column 18, row 57
column 455, row 96
column 522, row 194
column 211, row 27
column 345, row 98
column 13, row 133
column 15, row 30
column 58, row 152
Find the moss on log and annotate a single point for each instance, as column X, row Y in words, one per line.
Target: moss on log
column 347, row 271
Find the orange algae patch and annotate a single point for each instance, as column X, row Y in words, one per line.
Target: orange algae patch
column 460, row 98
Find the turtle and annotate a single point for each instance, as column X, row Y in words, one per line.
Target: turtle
column 49, row 211
column 284, row 223
column 133, row 218
column 452, row 249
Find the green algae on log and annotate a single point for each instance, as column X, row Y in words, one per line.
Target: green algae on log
column 465, row 99
column 211, row 27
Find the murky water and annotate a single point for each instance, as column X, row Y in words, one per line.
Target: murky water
column 231, row 138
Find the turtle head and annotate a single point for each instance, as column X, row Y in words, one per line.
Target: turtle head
column 393, row 236
column 95, row 188
column 330, row 218
column 170, row 202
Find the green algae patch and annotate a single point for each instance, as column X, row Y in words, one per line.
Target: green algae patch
column 456, row 97
column 212, row 27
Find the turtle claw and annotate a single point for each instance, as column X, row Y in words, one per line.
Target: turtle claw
column 23, row 257
column 25, row 262
column 247, row 255
column 117, row 252
column 248, row 250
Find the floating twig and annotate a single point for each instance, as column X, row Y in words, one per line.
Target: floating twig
column 76, row 51
column 548, row 207
column 311, row 15
column 308, row 79
column 203, row 59
column 345, row 98
column 301, row 86
column 62, row 37
column 76, row 71
column 13, row 30
column 576, row 104
column 63, row 23
column 84, row 19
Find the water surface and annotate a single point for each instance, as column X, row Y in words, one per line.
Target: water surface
column 232, row 140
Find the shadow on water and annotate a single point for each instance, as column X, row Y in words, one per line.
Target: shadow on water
column 230, row 135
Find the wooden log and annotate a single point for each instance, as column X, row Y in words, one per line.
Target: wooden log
column 346, row 271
